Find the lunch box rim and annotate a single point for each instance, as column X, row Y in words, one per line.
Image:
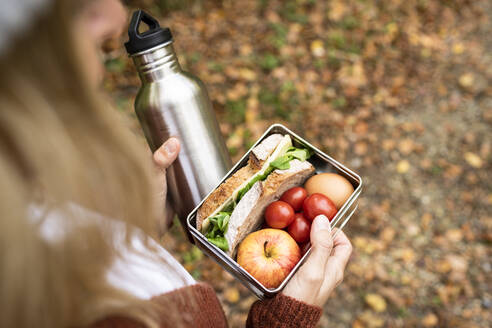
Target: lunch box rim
column 258, row 288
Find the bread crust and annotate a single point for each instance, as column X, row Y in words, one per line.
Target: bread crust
column 272, row 189
column 224, row 191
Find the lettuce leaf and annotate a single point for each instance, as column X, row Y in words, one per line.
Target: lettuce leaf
column 259, row 177
column 281, row 163
column 218, row 227
column 220, row 242
column 301, row 154
column 220, row 222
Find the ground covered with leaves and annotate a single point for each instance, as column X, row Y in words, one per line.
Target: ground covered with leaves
column 400, row 92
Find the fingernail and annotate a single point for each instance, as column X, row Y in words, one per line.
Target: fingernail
column 171, row 146
column 321, row 222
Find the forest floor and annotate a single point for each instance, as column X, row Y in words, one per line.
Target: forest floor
column 400, row 92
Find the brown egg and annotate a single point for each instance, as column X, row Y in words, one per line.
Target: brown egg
column 332, row 185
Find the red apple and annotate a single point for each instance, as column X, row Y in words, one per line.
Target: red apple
column 268, row 255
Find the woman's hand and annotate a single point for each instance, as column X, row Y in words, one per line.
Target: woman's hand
column 323, row 270
column 163, row 158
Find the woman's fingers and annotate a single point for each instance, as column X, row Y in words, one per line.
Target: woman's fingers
column 163, row 158
column 335, row 266
column 324, row 268
column 322, row 244
column 167, row 153
column 342, row 248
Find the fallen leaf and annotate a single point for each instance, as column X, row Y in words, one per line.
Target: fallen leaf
column 406, row 146
column 387, row 234
column 247, row 74
column 388, row 144
column 442, row 266
column 317, row 48
column 403, row 166
column 393, row 295
column 360, row 148
column 454, row 235
column 357, row 324
column 371, row 320
column 406, row 279
column 405, row 254
column 352, row 75
column 337, row 10
column 376, row 302
column 367, row 245
column 458, row 48
column 231, row 295
column 425, row 220
column 474, row 160
column 466, row 80
column 247, row 302
column 458, row 263
column 430, row 320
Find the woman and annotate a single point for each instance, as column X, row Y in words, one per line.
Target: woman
column 80, row 201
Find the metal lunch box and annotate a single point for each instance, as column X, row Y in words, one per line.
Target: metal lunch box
column 322, row 163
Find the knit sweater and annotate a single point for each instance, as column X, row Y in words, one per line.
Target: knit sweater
column 161, row 280
column 198, row 307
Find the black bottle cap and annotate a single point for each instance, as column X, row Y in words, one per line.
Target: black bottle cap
column 154, row 36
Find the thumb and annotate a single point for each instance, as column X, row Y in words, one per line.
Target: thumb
column 167, row 153
column 321, row 241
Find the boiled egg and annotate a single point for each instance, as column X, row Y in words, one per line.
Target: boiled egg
column 334, row 186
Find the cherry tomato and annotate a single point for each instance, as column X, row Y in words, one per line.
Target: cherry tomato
column 317, row 204
column 305, row 247
column 295, row 197
column 279, row 214
column 300, row 228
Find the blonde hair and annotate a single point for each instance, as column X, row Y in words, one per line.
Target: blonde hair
column 59, row 144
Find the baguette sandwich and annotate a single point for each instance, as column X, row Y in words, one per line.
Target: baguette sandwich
column 237, row 206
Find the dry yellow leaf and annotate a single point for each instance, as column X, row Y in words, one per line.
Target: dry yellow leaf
column 406, row 146
column 392, row 30
column 388, row 234
column 353, row 75
column 231, row 295
column 337, row 10
column 454, row 235
column 406, row 279
column 407, row 255
column 357, row 324
column 376, row 302
column 370, row 320
column 466, row 80
column 458, row 48
column 317, row 48
column 425, row 220
column 403, row 167
column 247, row 74
column 443, row 266
column 474, row 160
column 430, row 320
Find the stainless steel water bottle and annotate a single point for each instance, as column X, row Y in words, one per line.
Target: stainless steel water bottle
column 170, row 103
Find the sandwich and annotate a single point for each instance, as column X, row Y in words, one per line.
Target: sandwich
column 236, row 207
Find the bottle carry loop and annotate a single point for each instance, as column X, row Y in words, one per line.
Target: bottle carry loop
column 154, row 36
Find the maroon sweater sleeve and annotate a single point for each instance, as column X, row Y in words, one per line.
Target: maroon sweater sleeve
column 197, row 306
column 283, row 312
